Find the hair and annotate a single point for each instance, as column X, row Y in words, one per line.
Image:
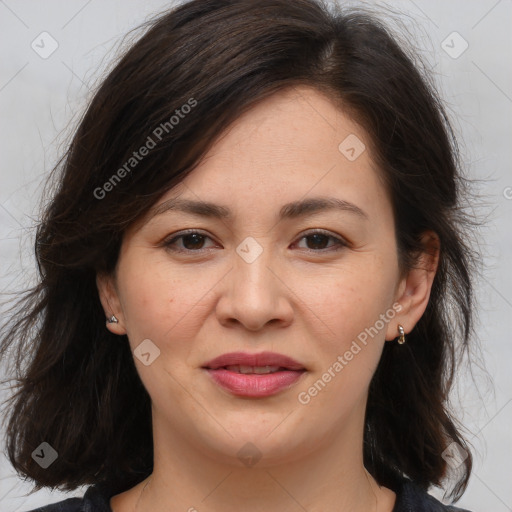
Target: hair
column 77, row 386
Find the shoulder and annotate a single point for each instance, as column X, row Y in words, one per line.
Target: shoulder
column 96, row 499
column 412, row 498
column 68, row 505
column 409, row 498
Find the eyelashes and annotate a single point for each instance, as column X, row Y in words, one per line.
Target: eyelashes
column 192, row 241
column 340, row 243
column 195, row 236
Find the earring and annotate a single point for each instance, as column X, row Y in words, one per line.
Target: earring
column 401, row 338
column 112, row 320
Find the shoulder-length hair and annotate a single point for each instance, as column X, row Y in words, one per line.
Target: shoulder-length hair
column 195, row 70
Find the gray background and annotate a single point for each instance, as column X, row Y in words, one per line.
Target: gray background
column 42, row 98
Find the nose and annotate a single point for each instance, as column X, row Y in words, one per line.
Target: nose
column 255, row 294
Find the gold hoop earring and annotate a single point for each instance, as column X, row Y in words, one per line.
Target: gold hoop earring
column 401, row 337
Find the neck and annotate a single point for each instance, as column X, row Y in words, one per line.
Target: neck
column 328, row 478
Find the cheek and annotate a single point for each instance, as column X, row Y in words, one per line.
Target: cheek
column 152, row 302
column 349, row 350
column 351, row 298
column 162, row 301
column 351, row 303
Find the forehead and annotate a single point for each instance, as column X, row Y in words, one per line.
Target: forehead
column 290, row 147
column 295, row 125
column 295, row 142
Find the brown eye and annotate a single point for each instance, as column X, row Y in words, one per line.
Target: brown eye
column 192, row 241
column 318, row 241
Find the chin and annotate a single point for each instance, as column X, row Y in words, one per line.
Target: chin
column 256, row 447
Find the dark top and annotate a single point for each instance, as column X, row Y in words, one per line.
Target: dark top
column 409, row 498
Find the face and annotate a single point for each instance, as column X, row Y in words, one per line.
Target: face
column 320, row 285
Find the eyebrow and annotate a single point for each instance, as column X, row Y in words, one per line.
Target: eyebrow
column 291, row 210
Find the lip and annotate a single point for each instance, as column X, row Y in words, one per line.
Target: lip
column 259, row 359
column 254, row 385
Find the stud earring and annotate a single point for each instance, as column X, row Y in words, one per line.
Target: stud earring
column 112, row 320
column 401, row 338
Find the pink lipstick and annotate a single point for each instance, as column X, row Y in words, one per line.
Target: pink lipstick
column 254, row 375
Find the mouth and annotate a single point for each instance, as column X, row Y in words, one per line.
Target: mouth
column 254, row 375
column 264, row 361
column 258, row 370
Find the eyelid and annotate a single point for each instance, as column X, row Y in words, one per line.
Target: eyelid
column 191, row 231
column 341, row 241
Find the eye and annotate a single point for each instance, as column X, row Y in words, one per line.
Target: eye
column 191, row 241
column 319, row 239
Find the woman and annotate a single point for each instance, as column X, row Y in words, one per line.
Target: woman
column 254, row 279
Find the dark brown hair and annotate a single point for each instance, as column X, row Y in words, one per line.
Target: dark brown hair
column 78, row 388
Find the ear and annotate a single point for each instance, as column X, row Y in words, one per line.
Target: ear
column 413, row 291
column 110, row 301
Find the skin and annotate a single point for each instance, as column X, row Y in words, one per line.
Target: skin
column 299, row 298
